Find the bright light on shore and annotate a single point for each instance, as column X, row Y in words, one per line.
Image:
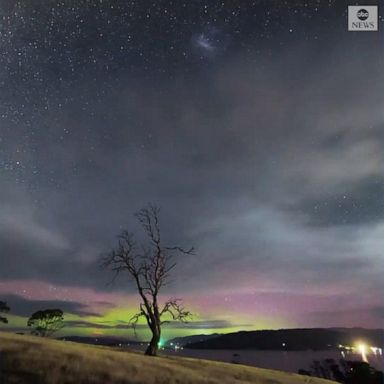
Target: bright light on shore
column 362, row 348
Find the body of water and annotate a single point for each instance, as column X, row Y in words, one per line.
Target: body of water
column 290, row 361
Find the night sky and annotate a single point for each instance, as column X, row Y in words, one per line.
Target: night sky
column 257, row 127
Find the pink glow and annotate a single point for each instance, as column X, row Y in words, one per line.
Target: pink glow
column 294, row 309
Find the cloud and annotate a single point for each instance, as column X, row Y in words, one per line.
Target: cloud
column 208, row 324
column 367, row 317
column 25, row 230
column 213, row 324
column 238, row 159
column 25, row 307
column 90, row 324
column 359, row 205
column 19, row 222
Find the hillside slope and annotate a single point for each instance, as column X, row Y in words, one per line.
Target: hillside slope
column 32, row 360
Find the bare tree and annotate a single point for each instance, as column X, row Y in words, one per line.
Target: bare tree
column 4, row 309
column 47, row 322
column 149, row 266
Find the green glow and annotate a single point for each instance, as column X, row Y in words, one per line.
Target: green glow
column 105, row 324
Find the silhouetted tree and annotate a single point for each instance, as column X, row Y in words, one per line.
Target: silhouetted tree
column 4, row 309
column 351, row 372
column 316, row 368
column 47, row 322
column 304, row 372
column 337, row 373
column 361, row 372
column 149, row 266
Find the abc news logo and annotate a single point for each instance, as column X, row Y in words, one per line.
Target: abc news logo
column 362, row 15
column 362, row 18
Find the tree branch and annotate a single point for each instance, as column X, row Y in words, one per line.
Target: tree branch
column 176, row 310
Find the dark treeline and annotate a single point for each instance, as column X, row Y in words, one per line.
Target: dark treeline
column 346, row 372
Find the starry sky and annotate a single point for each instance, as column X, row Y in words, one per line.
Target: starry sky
column 256, row 126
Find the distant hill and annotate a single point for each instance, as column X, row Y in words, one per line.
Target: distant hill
column 181, row 341
column 292, row 339
column 123, row 342
column 103, row 340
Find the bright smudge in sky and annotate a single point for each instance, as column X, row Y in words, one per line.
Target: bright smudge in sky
column 204, row 42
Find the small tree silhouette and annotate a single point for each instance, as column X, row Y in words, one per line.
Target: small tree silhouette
column 47, row 322
column 4, row 309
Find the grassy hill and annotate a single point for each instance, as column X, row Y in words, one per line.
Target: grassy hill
column 33, row 360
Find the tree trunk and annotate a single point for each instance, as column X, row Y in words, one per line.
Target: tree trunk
column 154, row 344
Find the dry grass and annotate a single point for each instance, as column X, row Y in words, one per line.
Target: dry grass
column 32, row 360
